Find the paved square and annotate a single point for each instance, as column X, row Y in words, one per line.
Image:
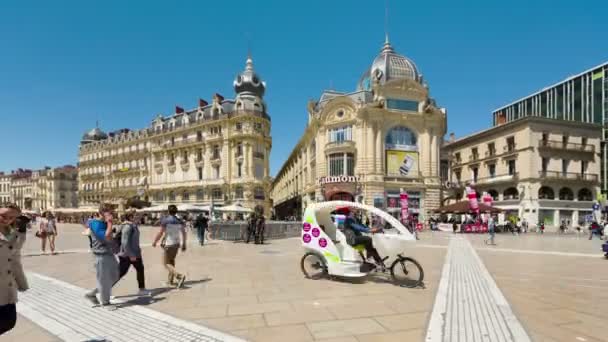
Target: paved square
column 555, row 286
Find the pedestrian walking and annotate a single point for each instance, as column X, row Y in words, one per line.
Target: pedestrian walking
column 130, row 253
column 170, row 231
column 595, row 229
column 201, row 224
column 13, row 227
column 48, row 231
column 491, row 231
column 103, row 248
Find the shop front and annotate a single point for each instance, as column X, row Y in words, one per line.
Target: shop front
column 340, row 188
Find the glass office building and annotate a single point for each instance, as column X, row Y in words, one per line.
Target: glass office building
column 581, row 98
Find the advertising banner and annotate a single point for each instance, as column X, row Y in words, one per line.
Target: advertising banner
column 403, row 198
column 402, row 163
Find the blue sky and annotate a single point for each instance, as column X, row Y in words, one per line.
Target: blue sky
column 66, row 64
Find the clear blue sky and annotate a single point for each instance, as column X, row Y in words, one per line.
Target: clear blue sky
column 66, row 64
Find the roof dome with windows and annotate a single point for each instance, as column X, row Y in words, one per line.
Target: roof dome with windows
column 95, row 134
column 249, row 82
column 388, row 66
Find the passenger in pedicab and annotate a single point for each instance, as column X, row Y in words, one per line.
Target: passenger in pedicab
column 353, row 231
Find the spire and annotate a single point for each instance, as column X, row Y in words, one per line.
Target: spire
column 249, row 64
column 387, row 44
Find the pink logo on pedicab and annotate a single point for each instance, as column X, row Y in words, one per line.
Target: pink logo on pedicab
column 306, row 226
column 322, row 242
column 316, row 232
column 306, row 238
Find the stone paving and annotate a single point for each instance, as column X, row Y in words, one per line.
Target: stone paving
column 258, row 292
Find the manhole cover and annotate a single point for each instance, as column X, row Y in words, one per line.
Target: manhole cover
column 270, row 252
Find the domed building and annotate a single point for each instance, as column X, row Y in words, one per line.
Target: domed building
column 368, row 144
column 214, row 154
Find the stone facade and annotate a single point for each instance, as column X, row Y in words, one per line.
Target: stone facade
column 217, row 153
column 5, row 187
column 536, row 168
column 368, row 144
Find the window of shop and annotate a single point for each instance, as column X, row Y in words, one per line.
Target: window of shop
column 341, row 164
column 394, row 205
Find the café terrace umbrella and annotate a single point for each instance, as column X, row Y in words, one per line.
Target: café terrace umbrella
column 193, row 207
column 234, row 208
column 464, row 207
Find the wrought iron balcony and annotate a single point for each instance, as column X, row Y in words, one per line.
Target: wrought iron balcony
column 588, row 177
column 567, row 146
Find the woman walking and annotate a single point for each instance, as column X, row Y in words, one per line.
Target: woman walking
column 130, row 253
column 12, row 278
column 48, row 230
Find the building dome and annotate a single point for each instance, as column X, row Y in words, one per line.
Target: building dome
column 94, row 135
column 249, row 82
column 388, row 66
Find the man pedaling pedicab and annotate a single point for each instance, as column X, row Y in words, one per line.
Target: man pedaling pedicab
column 353, row 230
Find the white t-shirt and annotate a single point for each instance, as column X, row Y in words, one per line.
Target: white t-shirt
column 173, row 228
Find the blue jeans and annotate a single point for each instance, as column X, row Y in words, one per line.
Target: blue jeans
column 200, row 233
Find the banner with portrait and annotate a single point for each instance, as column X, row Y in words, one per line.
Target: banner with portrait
column 402, row 163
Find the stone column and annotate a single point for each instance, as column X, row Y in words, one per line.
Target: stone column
column 378, row 146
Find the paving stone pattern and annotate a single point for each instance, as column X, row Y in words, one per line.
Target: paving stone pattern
column 69, row 316
column 469, row 306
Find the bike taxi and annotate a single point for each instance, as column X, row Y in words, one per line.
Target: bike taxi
column 327, row 252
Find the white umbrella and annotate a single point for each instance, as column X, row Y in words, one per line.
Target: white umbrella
column 154, row 209
column 235, row 208
column 193, row 207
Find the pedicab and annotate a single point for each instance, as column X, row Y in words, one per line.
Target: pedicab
column 327, row 253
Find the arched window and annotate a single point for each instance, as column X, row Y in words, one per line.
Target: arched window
column 546, row 192
column 186, row 196
column 238, row 192
column 171, row 196
column 341, row 164
column 510, row 194
column 400, row 138
column 199, row 194
column 566, row 194
column 258, row 193
column 494, row 194
column 585, row 194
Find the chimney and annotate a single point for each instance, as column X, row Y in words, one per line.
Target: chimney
column 452, row 137
column 178, row 109
column 202, row 103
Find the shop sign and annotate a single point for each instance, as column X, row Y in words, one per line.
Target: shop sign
column 339, row 179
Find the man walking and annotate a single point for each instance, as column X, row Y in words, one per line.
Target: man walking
column 170, row 230
column 106, row 267
column 201, row 224
column 130, row 253
column 491, row 231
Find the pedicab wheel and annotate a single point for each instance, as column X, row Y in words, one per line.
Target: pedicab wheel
column 407, row 272
column 313, row 266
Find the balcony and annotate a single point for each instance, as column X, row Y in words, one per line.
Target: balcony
column 565, row 146
column 569, row 176
column 258, row 155
column 339, row 146
column 490, row 154
column 509, row 149
column 177, row 144
column 474, row 157
column 496, row 179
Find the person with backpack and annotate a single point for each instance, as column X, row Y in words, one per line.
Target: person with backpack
column 130, row 252
column 103, row 248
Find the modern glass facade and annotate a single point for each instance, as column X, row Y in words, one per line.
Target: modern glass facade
column 581, row 98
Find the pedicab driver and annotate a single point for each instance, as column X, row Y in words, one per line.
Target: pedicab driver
column 357, row 238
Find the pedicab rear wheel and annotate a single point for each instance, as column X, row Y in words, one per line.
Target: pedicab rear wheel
column 407, row 272
column 313, row 266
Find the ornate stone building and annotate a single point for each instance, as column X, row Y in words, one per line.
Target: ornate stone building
column 215, row 153
column 366, row 145
column 5, row 187
column 54, row 188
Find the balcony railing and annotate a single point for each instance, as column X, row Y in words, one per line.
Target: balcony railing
column 509, row 148
column 474, row 157
column 339, row 144
column 259, row 155
column 560, row 145
column 505, row 177
column 569, row 176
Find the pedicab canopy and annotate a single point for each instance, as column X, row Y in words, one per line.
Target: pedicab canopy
column 464, row 207
column 320, row 213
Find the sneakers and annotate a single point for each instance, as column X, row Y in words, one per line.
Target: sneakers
column 180, row 281
column 92, row 297
column 144, row 293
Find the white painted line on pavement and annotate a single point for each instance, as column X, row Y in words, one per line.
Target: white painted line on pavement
column 469, row 306
column 61, row 309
